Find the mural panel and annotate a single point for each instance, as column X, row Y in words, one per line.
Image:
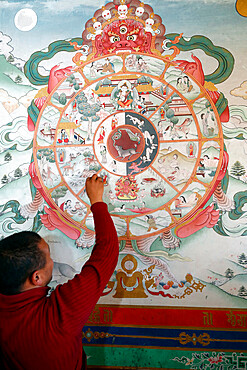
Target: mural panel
column 161, row 117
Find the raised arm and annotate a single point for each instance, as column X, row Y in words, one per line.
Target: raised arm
column 74, row 300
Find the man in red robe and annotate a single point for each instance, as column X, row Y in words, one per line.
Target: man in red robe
column 38, row 331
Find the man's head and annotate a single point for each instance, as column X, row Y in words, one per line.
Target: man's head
column 25, row 263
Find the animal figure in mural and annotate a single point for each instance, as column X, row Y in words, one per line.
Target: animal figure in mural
column 124, row 28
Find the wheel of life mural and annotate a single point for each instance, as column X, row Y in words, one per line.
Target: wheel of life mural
column 150, row 130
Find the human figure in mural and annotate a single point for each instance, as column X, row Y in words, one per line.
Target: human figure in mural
column 151, row 222
column 179, row 84
column 101, row 135
column 114, row 122
column 92, row 70
column 204, row 119
column 66, row 206
column 47, row 329
column 124, row 97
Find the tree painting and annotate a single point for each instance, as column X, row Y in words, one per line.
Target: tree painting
column 242, row 259
column 88, row 111
column 47, row 153
column 237, row 170
column 18, row 173
column 242, row 292
column 7, row 157
column 18, row 79
column 229, row 273
column 59, row 193
column 4, row 179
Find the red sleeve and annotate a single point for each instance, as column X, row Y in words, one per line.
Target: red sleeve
column 72, row 302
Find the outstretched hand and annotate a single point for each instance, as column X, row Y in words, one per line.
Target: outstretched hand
column 94, row 189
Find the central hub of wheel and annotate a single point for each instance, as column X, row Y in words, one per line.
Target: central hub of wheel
column 126, row 143
column 129, row 139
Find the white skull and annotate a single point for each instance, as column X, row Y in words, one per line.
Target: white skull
column 149, row 22
column 122, row 11
column 97, row 26
column 106, row 14
column 139, row 11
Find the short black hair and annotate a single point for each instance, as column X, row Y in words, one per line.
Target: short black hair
column 20, row 257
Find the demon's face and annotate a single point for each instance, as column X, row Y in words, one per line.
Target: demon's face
column 123, row 36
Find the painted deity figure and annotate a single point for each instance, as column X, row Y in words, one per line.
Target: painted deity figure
column 124, row 96
column 123, row 34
